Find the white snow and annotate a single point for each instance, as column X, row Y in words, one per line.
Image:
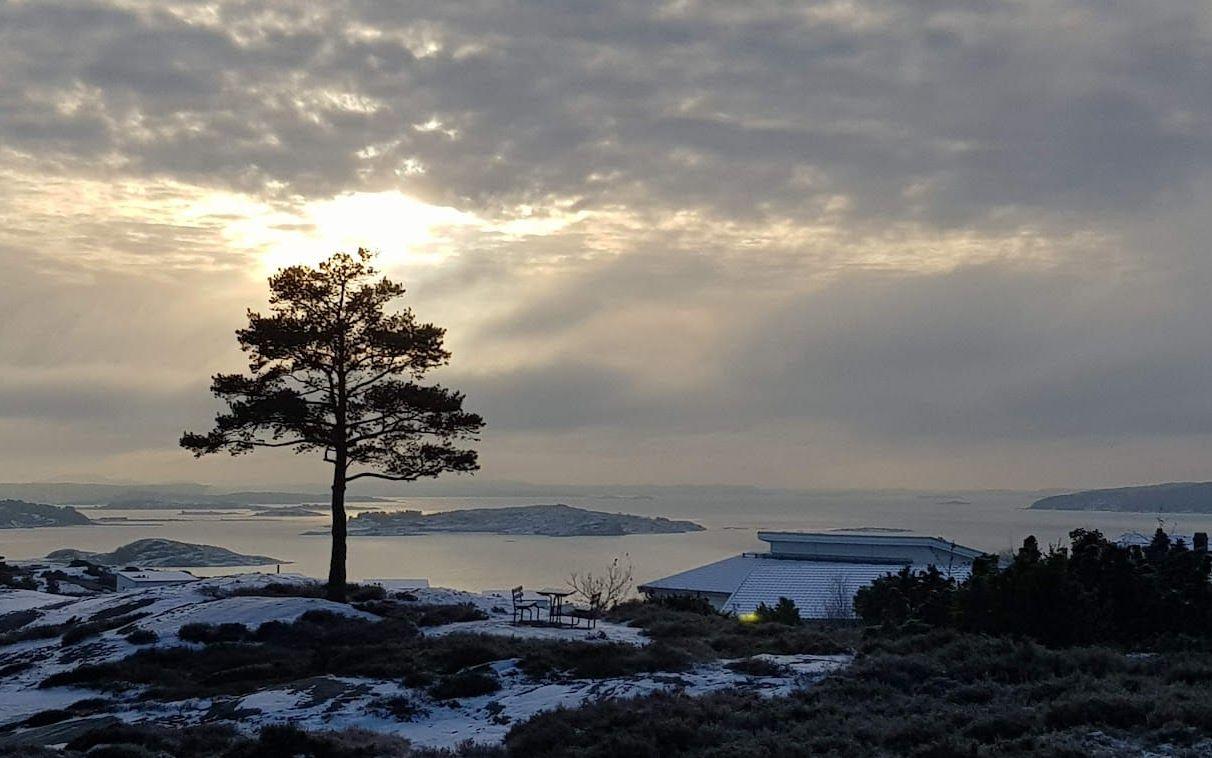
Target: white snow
column 503, row 627
column 339, row 702
column 249, row 611
column 346, row 702
column 23, row 600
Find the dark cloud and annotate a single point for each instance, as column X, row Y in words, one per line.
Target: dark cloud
column 986, row 105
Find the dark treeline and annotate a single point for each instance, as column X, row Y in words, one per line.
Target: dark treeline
column 1094, row 591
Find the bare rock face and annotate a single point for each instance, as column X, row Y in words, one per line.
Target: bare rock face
column 546, row 520
column 18, row 514
column 160, row 553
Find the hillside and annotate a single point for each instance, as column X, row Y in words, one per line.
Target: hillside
column 546, row 520
column 18, row 514
column 1173, row 497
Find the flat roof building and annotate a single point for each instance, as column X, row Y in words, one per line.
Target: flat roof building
column 137, row 580
column 819, row 571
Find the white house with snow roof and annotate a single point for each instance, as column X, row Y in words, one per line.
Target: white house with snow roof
column 819, row 571
column 138, row 580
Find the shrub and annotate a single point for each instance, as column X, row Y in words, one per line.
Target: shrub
column 900, row 698
column 424, row 614
column 1116, row 711
column 76, row 632
column 400, row 707
column 757, row 667
column 354, row 593
column 142, row 637
column 471, row 683
column 210, row 634
column 17, row 619
column 688, row 604
column 52, row 716
column 124, row 609
column 783, row 612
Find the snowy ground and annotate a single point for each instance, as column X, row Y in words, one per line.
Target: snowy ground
column 333, row 702
column 339, row 702
column 168, row 608
column 497, row 604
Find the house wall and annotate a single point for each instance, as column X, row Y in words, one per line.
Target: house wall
column 128, row 584
column 866, row 553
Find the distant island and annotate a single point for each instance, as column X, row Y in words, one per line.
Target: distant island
column 161, row 553
column 545, row 520
column 1173, row 497
column 18, row 514
column 291, row 511
column 228, row 501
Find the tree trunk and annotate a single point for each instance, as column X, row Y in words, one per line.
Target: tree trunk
column 336, row 568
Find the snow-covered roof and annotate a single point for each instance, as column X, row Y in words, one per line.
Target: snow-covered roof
column 814, row 586
column 721, row 577
column 810, row 568
column 157, row 576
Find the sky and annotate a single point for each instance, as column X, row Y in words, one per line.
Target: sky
column 862, row 243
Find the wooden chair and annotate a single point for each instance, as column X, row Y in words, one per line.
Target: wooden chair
column 590, row 614
column 522, row 608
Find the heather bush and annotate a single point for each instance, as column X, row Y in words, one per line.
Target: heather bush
column 75, row 632
column 942, row 694
column 783, row 612
column 757, row 667
column 210, row 634
column 471, row 683
column 142, row 637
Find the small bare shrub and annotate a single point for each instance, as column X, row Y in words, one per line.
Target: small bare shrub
column 611, row 586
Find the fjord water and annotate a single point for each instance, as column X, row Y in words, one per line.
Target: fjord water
column 993, row 521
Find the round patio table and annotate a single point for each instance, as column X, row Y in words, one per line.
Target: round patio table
column 555, row 602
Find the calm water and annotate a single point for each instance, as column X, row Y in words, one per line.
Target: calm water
column 990, row 521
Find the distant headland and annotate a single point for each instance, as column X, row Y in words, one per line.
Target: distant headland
column 1172, row 497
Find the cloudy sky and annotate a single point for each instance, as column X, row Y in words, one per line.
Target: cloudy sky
column 858, row 243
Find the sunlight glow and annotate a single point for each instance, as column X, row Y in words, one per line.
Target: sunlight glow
column 403, row 229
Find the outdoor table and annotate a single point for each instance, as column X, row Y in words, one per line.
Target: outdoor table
column 555, row 602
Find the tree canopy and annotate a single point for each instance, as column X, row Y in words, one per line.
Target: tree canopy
column 334, row 369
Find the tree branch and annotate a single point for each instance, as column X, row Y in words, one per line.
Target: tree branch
column 376, row 475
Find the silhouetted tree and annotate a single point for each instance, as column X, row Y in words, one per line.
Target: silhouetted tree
column 331, row 369
column 1096, row 590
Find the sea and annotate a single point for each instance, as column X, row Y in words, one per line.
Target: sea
column 994, row 521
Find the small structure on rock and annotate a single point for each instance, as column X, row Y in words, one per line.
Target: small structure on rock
column 137, row 580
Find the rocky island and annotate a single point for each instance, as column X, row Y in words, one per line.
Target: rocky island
column 18, row 514
column 1172, row 497
column 545, row 520
column 161, row 553
column 290, row 511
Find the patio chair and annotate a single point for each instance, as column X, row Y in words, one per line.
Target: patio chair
column 590, row 614
column 523, row 608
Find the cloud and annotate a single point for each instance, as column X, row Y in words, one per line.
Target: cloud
column 879, row 227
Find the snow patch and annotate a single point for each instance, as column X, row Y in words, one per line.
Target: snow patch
column 24, row 600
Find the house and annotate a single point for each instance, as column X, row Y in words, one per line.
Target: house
column 137, row 580
column 819, row 571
